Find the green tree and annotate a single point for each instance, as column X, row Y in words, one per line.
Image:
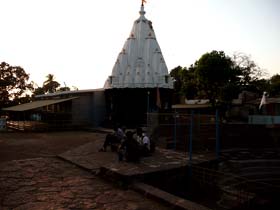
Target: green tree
column 14, row 84
column 50, row 85
column 259, row 86
column 38, row 91
column 176, row 75
column 217, row 78
column 64, row 89
column 3, row 83
column 248, row 70
column 221, row 78
column 190, row 83
column 274, row 83
column 185, row 82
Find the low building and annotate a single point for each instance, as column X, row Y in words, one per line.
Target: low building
column 60, row 110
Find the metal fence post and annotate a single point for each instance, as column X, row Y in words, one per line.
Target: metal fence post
column 148, row 106
column 175, row 129
column 190, row 150
column 191, row 136
column 217, row 135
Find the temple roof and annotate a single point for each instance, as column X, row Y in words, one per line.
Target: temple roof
column 140, row 64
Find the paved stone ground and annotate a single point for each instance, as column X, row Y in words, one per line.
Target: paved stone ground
column 33, row 177
column 18, row 145
column 49, row 183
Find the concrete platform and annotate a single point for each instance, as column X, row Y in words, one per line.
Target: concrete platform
column 88, row 157
column 128, row 174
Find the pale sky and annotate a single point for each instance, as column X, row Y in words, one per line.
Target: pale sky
column 79, row 40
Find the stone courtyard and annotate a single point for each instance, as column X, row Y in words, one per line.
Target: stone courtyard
column 60, row 171
column 49, row 183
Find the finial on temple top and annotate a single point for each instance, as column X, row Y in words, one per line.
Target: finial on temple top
column 143, row 1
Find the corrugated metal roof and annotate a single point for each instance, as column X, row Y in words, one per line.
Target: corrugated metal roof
column 190, row 106
column 36, row 104
column 71, row 92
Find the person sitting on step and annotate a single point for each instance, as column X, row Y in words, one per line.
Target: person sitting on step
column 113, row 139
column 144, row 142
column 129, row 149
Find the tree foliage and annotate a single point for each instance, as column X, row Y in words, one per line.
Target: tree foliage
column 185, row 82
column 274, row 85
column 50, row 85
column 189, row 79
column 39, row 91
column 64, row 89
column 176, row 75
column 13, row 84
column 220, row 78
column 15, row 87
column 250, row 73
column 216, row 76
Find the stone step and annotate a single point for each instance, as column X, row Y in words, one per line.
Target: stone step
column 234, row 198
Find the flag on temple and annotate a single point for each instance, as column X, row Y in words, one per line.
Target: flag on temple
column 158, row 99
column 263, row 101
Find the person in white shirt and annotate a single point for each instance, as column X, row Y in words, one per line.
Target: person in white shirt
column 143, row 141
column 146, row 141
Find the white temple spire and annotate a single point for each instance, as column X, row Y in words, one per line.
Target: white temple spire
column 140, row 64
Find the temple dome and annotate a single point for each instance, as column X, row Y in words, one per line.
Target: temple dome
column 140, row 64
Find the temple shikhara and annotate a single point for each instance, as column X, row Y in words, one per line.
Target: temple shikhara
column 140, row 64
column 139, row 82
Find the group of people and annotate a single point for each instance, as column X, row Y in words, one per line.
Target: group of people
column 129, row 145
